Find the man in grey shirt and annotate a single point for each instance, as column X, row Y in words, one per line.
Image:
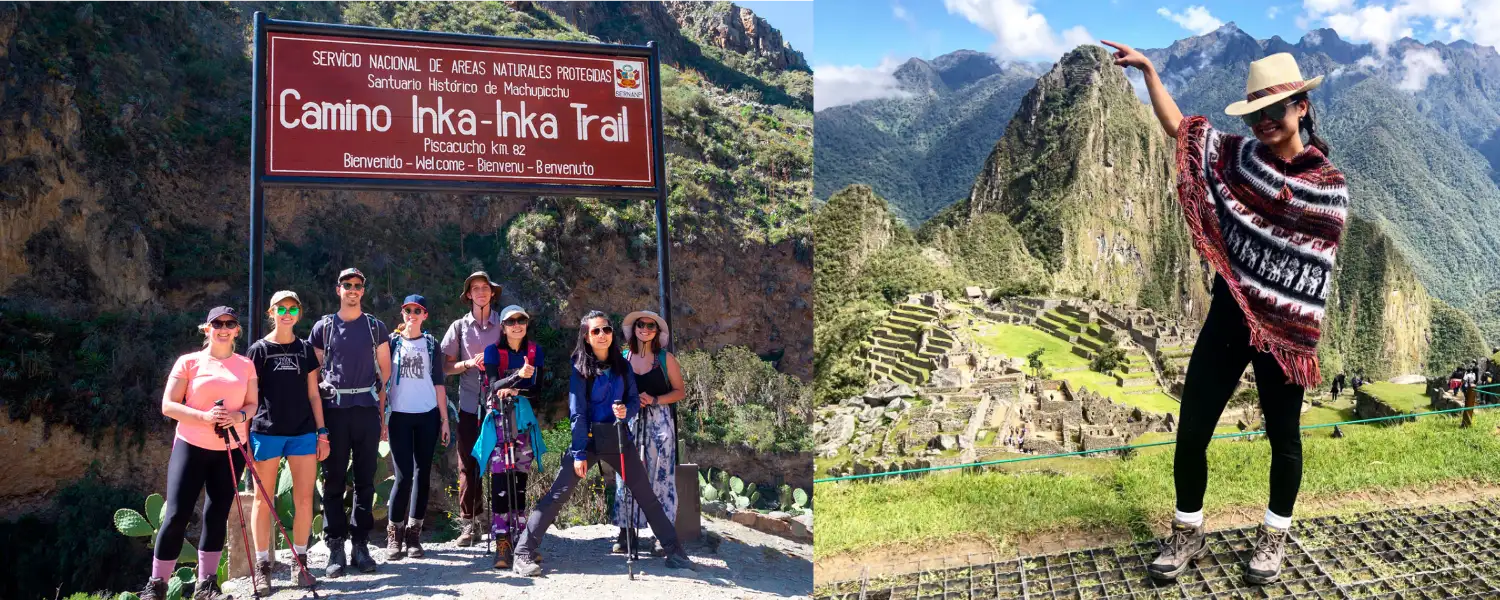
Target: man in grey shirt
column 463, row 350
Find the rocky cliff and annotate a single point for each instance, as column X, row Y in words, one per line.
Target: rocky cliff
column 123, row 176
column 1083, row 175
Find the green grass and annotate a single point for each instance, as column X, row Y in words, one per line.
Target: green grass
column 1017, row 341
column 1125, row 495
column 1410, row 397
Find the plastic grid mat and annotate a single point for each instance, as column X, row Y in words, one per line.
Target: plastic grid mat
column 1428, row 552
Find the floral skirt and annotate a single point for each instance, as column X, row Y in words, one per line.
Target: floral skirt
column 660, row 443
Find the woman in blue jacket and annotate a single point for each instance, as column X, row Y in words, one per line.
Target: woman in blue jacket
column 600, row 377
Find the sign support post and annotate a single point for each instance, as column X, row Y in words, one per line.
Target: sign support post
column 257, row 191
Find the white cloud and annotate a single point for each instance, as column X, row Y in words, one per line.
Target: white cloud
column 837, row 85
column 1195, row 19
column 1020, row 31
column 1272, row 12
column 1420, row 64
column 901, row 13
column 1382, row 22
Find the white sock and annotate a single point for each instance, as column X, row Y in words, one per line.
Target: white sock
column 262, row 555
column 1278, row 521
column 1193, row 518
column 300, row 550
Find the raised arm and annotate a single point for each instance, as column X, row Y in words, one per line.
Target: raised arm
column 1161, row 101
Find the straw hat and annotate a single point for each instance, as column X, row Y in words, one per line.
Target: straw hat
column 1271, row 80
column 662, row 335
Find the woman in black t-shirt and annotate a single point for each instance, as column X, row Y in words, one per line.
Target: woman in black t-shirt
column 288, row 423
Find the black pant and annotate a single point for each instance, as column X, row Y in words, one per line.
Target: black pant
column 1213, row 373
column 635, row 479
column 192, row 469
column 413, row 437
column 351, row 431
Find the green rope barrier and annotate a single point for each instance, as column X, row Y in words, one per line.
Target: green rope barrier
column 1481, row 389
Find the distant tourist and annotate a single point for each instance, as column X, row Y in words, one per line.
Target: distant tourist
column 1338, row 385
column 1238, row 196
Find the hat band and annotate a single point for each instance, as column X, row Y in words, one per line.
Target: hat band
column 1275, row 89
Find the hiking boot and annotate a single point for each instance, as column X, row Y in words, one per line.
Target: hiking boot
column 208, row 589
column 1187, row 544
column 414, row 538
column 301, row 575
column 1270, row 548
column 263, row 577
column 395, row 539
column 524, row 566
column 361, row 557
column 503, row 554
column 156, row 589
column 680, row 560
column 468, row 532
column 336, row 561
column 619, row 545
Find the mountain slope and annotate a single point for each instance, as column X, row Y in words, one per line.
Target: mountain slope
column 922, row 150
column 1083, row 175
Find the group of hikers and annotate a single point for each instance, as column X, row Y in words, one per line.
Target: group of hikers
column 333, row 397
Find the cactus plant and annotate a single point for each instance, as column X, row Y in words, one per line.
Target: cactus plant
column 134, row 524
column 709, row 493
column 737, row 485
column 784, row 497
column 799, row 499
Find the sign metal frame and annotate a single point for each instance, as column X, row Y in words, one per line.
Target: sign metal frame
column 264, row 25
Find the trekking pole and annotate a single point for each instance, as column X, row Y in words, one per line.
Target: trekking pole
column 244, row 533
column 510, row 481
column 300, row 558
column 629, row 531
column 640, row 436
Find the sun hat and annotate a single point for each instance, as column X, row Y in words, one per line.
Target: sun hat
column 495, row 287
column 283, row 295
column 350, row 272
column 662, row 335
column 1271, row 79
column 512, row 310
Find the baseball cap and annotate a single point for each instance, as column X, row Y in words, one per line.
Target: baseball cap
column 513, row 310
column 416, row 299
column 283, row 295
column 219, row 311
column 350, row 272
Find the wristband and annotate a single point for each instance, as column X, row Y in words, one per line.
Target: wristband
column 322, row 431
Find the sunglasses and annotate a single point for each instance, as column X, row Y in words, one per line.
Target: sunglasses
column 353, row 286
column 413, row 310
column 224, row 324
column 517, row 321
column 1274, row 112
column 605, row 330
column 646, row 325
column 288, row 310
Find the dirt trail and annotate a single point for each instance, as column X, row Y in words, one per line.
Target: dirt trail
column 747, row 565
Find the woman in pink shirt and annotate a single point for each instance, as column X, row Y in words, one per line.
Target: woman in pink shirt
column 199, row 459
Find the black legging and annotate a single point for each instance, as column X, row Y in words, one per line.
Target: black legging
column 190, row 470
column 413, row 437
column 1214, row 371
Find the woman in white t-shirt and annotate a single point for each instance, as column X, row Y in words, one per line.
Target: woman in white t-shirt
column 418, row 419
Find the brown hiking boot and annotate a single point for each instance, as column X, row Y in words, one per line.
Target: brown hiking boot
column 395, row 538
column 263, row 570
column 414, row 538
column 503, row 554
column 301, row 575
column 468, row 532
column 1270, row 548
column 208, row 589
column 156, row 589
column 1187, row 544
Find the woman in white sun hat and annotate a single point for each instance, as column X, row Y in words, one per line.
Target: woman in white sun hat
column 1268, row 213
column 658, row 378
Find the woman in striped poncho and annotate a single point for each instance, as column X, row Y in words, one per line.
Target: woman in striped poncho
column 1268, row 213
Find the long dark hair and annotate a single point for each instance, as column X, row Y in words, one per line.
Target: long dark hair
column 583, row 354
column 1309, row 123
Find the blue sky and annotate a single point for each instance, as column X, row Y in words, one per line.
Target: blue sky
column 862, row 40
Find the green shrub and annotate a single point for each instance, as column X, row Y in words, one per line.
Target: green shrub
column 72, row 546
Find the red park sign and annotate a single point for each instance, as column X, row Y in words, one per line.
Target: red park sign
column 345, row 107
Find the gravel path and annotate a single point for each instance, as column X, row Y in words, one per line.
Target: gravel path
column 746, row 564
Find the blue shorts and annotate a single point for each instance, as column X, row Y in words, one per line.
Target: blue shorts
column 267, row 447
